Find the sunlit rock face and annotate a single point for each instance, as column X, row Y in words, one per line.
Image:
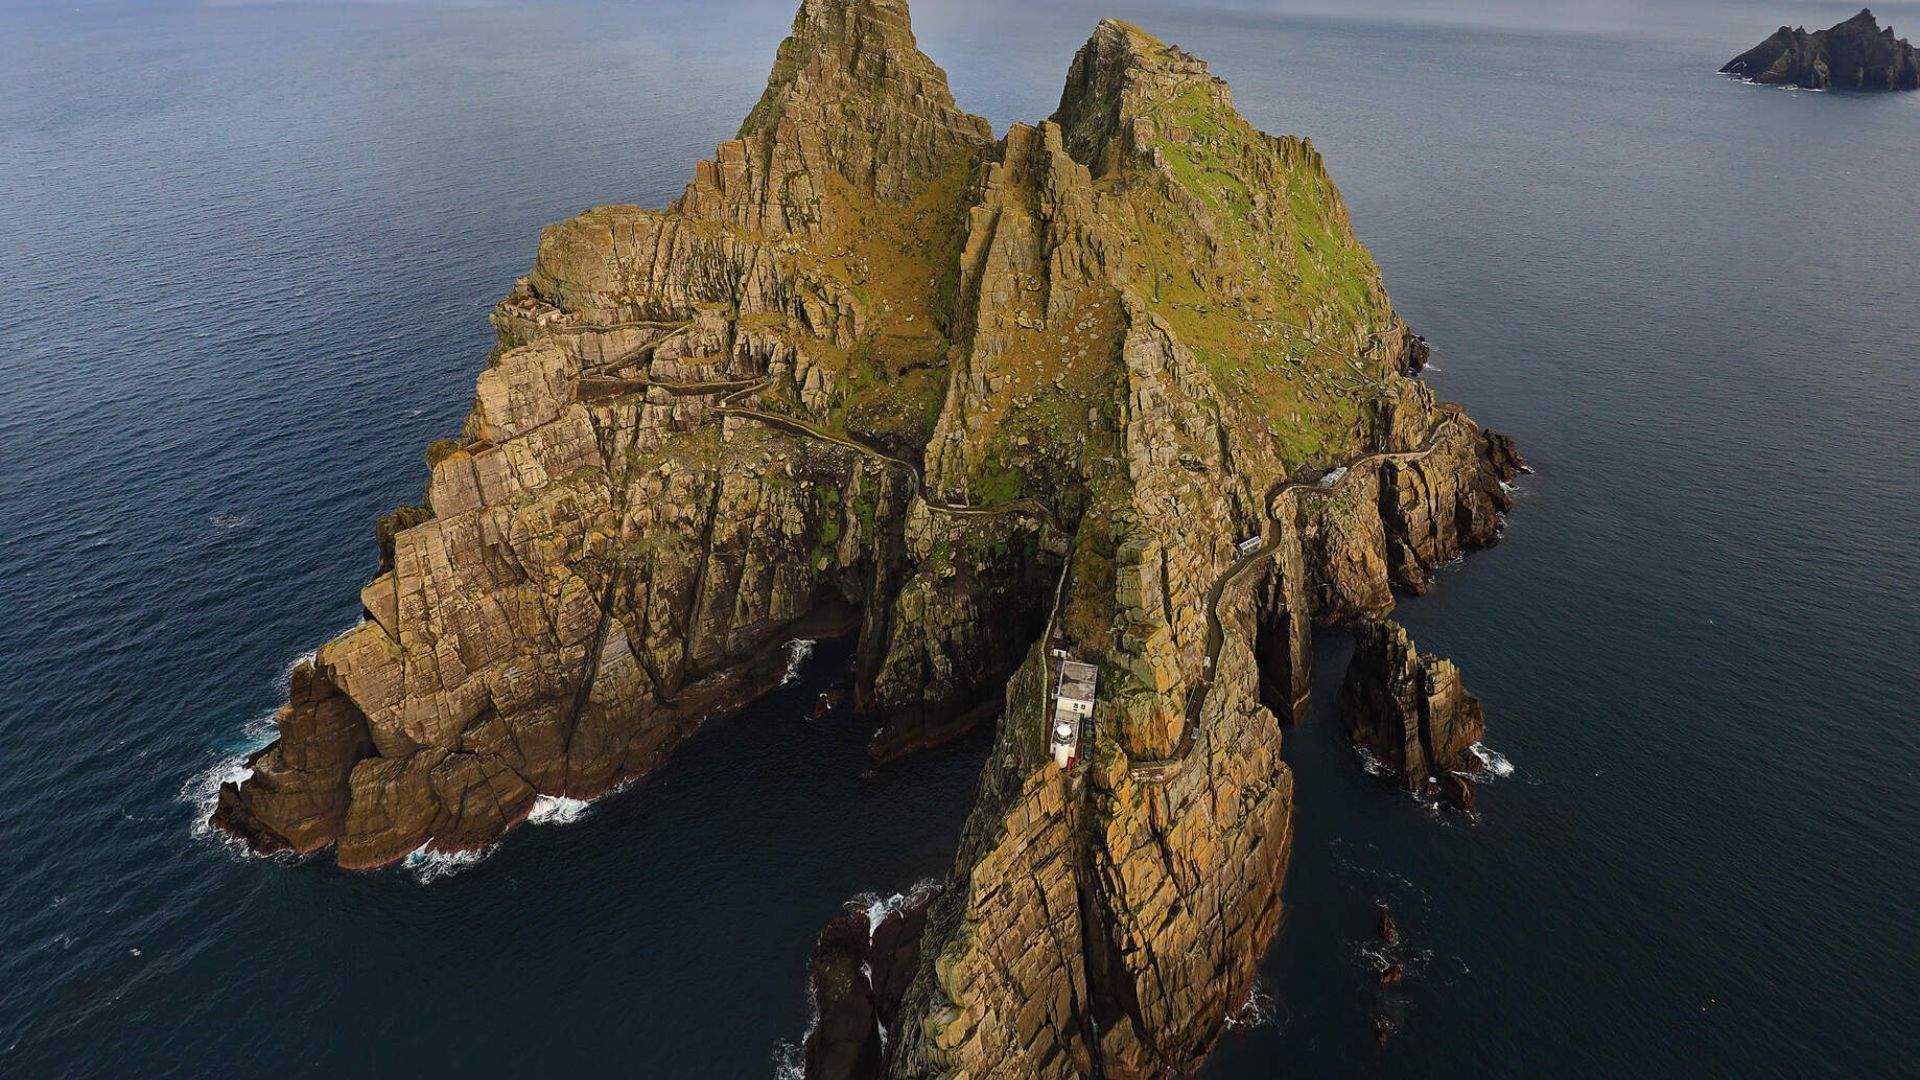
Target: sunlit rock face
column 1121, row 384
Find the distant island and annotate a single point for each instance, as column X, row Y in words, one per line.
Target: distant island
column 1854, row 55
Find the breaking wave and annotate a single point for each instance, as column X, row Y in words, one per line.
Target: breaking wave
column 1492, row 761
column 1258, row 1010
column 427, row 867
column 557, row 810
column 789, row 1061
column 201, row 792
column 877, row 908
column 1371, row 764
column 797, row 652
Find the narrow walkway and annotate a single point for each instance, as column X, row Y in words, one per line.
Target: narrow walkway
column 1161, row 768
column 738, row 390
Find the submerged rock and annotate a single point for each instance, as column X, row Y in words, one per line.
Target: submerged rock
column 1857, row 54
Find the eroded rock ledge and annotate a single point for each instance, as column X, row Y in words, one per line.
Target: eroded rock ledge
column 972, row 400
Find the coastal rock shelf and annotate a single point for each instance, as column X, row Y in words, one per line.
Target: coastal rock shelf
column 975, row 401
column 1854, row 55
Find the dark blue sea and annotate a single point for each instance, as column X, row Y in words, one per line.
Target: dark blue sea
column 246, row 256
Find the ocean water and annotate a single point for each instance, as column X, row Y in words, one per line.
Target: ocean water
column 248, row 254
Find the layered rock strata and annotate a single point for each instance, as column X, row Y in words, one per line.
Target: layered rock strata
column 1121, row 384
column 1408, row 711
column 1857, row 54
column 697, row 438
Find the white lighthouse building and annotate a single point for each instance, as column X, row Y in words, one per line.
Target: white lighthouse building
column 1072, row 706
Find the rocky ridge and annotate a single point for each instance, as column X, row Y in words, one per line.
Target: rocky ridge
column 1857, row 54
column 973, row 400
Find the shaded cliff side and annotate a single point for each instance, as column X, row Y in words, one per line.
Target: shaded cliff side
column 1854, row 55
column 1121, row 384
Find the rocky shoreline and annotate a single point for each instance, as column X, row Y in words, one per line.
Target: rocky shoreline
column 1120, row 385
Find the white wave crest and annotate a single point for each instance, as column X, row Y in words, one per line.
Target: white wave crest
column 1492, row 761
column 201, row 792
column 1256, row 1011
column 427, row 867
column 789, row 1061
column 1371, row 764
column 877, row 908
column 797, row 652
column 557, row 810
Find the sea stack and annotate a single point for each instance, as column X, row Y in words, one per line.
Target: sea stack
column 1857, row 54
column 1409, row 711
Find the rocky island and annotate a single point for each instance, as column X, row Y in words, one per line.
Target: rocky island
column 1854, row 55
column 1120, row 386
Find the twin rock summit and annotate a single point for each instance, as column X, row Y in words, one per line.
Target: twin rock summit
column 1121, row 386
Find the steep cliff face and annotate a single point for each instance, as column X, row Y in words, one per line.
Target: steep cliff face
column 1121, row 385
column 1107, row 919
column 1854, row 55
column 1409, row 711
column 677, row 459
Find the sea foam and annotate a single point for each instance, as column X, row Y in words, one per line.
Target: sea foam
column 797, row 652
column 557, row 810
column 427, row 867
column 1258, row 1010
column 1495, row 764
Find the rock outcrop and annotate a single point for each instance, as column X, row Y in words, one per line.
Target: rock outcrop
column 1857, row 54
column 1122, row 384
column 1409, row 712
column 859, row 974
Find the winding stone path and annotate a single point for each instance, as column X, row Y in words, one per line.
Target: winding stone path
column 1162, row 768
column 734, row 391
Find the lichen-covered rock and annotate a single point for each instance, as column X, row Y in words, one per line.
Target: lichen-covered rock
column 1106, row 920
column 1857, row 54
column 613, row 549
column 1408, row 711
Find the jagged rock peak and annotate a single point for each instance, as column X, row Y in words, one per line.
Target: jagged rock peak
column 848, row 49
column 1117, row 81
column 851, row 95
column 1857, row 54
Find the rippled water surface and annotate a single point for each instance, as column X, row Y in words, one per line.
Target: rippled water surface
column 248, row 255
